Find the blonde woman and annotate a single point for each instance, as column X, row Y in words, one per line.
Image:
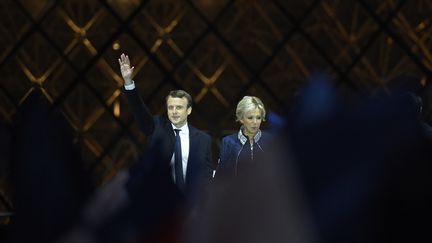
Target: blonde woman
column 243, row 148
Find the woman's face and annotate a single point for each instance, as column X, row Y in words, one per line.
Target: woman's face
column 251, row 122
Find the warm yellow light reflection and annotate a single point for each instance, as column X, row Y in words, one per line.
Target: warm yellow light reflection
column 116, row 46
column 116, row 109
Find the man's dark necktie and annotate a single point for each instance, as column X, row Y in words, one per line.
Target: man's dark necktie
column 178, row 161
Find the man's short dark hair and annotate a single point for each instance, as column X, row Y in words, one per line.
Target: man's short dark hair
column 180, row 94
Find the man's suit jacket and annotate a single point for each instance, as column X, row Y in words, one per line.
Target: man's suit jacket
column 160, row 133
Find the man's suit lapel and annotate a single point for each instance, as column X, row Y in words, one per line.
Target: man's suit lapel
column 193, row 147
column 169, row 132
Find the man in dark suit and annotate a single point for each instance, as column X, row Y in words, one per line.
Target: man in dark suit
column 183, row 149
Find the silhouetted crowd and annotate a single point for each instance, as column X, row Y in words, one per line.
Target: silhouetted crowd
column 338, row 170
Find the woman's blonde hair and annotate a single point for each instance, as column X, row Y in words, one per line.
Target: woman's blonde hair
column 249, row 103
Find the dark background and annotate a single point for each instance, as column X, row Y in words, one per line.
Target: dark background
column 218, row 51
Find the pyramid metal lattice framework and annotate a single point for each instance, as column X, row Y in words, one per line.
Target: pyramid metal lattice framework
column 218, row 51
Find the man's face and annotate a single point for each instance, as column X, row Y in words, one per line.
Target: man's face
column 177, row 111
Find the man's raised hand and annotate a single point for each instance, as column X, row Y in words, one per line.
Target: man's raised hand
column 126, row 69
